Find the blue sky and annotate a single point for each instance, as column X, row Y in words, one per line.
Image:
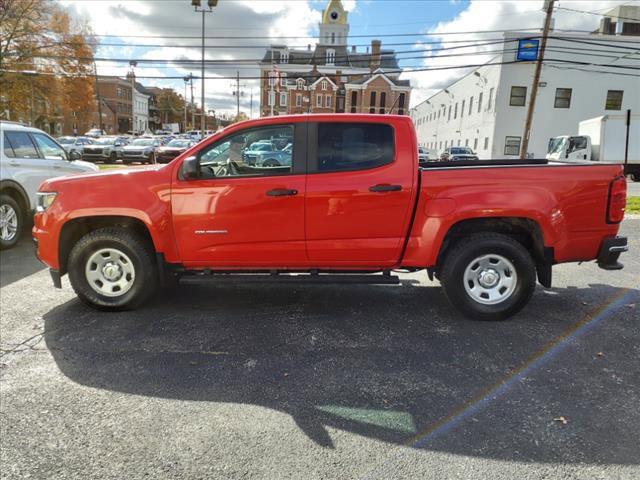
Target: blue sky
column 272, row 20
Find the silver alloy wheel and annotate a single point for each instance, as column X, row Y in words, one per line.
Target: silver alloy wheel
column 490, row 279
column 8, row 223
column 110, row 272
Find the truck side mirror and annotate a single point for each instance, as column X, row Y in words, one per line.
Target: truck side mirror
column 191, row 168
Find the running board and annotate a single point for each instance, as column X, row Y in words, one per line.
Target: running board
column 297, row 278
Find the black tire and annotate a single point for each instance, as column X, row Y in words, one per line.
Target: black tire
column 635, row 177
column 145, row 281
column 271, row 162
column 113, row 157
column 463, row 254
column 8, row 204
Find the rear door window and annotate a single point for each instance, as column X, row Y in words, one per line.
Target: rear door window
column 8, row 151
column 352, row 146
column 22, row 145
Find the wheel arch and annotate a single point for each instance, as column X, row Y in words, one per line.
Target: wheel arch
column 17, row 192
column 76, row 228
column 525, row 230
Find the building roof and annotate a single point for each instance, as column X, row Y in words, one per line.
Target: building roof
column 318, row 56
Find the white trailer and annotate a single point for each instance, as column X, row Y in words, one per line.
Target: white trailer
column 607, row 139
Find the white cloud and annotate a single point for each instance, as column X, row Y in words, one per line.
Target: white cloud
column 494, row 15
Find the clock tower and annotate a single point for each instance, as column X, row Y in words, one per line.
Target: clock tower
column 334, row 28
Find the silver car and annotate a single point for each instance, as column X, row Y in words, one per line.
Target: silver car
column 104, row 149
column 74, row 145
column 28, row 156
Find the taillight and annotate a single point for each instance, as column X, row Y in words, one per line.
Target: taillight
column 617, row 200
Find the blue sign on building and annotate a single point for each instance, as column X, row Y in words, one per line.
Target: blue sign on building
column 527, row 50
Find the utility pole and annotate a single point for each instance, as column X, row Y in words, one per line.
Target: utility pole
column 95, row 74
column 238, row 93
column 251, row 104
column 193, row 105
column 536, row 79
column 196, row 4
column 186, row 80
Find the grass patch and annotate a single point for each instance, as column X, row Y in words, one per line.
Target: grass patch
column 633, row 205
column 106, row 166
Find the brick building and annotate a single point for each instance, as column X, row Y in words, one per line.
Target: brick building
column 332, row 77
column 117, row 92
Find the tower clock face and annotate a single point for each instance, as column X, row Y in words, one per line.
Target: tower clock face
column 334, row 15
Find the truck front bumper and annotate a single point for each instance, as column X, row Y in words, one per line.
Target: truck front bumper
column 610, row 250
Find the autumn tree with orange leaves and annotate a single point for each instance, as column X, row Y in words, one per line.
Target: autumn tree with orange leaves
column 46, row 66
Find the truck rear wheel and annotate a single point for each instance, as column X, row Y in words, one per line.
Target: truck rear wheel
column 112, row 269
column 488, row 276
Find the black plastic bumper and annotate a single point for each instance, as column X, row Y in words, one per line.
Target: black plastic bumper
column 56, row 278
column 610, row 251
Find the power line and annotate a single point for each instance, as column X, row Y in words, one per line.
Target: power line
column 597, row 14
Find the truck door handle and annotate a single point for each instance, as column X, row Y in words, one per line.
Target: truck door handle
column 385, row 188
column 281, row 192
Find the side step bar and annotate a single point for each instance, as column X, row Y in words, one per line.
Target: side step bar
column 296, row 278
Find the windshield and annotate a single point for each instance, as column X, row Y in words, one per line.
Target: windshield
column 461, row 151
column 144, row 142
column 105, row 141
column 66, row 140
column 261, row 147
column 556, row 145
column 178, row 143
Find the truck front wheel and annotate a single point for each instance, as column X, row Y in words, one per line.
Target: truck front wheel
column 112, row 269
column 488, row 276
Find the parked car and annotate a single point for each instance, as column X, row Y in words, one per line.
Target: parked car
column 250, row 154
column 457, row 154
column 171, row 150
column 196, row 135
column 422, row 156
column 486, row 232
column 276, row 158
column 27, row 157
column 141, row 150
column 74, row 145
column 105, row 149
column 95, row 133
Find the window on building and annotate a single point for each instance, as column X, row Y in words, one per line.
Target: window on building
column 466, row 142
column 458, row 142
column 440, row 147
column 518, row 96
column 300, row 84
column 284, row 57
column 372, row 102
column 446, row 142
column 455, row 111
column 283, row 79
column 479, row 102
column 475, row 144
column 512, row 146
column 272, row 80
column 614, row 100
column 324, row 84
column 462, row 109
column 470, row 105
column 383, row 101
column 354, row 101
column 490, row 99
column 318, row 100
column 298, row 99
column 401, row 101
column 449, row 114
column 333, row 37
column 486, row 143
column 331, row 56
column 353, row 146
column 327, row 101
column 563, row 98
column 283, row 99
column 272, row 98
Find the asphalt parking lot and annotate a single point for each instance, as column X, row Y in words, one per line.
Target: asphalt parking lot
column 281, row 381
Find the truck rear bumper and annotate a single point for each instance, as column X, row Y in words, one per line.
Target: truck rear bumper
column 610, row 250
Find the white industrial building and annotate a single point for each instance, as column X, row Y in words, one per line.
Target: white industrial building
column 486, row 109
column 140, row 111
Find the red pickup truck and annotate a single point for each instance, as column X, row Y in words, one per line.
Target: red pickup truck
column 329, row 198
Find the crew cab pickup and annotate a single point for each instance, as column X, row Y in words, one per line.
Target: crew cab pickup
column 352, row 206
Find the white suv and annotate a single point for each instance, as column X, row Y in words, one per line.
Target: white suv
column 28, row 156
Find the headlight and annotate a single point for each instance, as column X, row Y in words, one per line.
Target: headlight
column 45, row 199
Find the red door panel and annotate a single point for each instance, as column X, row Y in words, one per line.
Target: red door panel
column 348, row 223
column 233, row 222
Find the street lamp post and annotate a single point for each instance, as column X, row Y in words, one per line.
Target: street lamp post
column 186, row 81
column 196, row 4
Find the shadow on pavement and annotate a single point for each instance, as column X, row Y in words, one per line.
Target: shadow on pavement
column 382, row 362
column 19, row 262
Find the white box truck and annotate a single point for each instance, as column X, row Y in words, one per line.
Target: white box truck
column 607, row 139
